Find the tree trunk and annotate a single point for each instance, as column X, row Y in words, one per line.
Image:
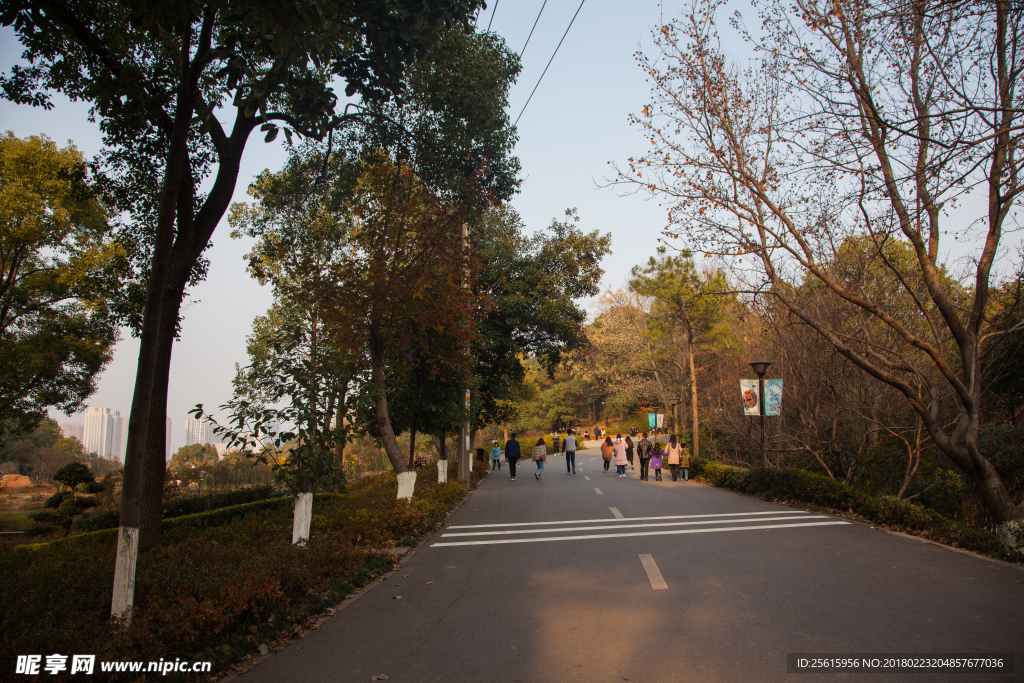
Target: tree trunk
column 302, row 515
column 123, row 596
column 442, row 458
column 913, row 460
column 406, row 478
column 694, row 423
column 339, row 424
column 412, row 445
column 155, row 471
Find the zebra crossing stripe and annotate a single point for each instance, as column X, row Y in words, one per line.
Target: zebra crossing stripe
column 631, row 519
column 605, row 526
column 635, row 534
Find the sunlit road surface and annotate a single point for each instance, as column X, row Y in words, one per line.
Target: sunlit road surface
column 615, row 579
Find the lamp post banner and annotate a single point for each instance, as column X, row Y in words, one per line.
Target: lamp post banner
column 773, row 397
column 652, row 420
column 751, row 404
column 661, row 420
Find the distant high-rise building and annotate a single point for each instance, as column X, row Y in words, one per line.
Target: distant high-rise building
column 102, row 432
column 73, row 430
column 199, row 431
column 121, row 437
column 105, row 433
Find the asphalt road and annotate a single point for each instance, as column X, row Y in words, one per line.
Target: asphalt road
column 598, row 578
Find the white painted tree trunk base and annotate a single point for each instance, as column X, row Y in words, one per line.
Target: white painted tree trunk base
column 442, row 471
column 406, row 484
column 124, row 575
column 1012, row 534
column 302, row 518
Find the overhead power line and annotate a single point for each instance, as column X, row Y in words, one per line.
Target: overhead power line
column 549, row 61
column 491, row 20
column 531, row 30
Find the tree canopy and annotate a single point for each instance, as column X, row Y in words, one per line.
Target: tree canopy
column 58, row 271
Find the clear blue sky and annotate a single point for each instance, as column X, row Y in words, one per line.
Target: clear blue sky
column 575, row 124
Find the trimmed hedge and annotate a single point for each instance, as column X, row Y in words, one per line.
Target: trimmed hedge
column 190, row 505
column 180, row 507
column 787, row 485
column 200, row 520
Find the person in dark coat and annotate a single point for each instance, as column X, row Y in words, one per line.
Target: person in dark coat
column 512, row 455
column 643, row 451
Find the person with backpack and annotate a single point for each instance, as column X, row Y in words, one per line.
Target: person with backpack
column 607, row 450
column 512, row 455
column 569, row 446
column 684, row 462
column 540, row 455
column 629, row 451
column 643, row 451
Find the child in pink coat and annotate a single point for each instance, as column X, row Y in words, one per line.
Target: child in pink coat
column 620, row 455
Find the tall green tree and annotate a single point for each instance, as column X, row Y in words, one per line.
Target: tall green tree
column 161, row 77
column 401, row 188
column 689, row 301
column 57, row 273
column 533, row 284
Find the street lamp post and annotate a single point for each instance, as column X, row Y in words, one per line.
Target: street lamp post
column 760, row 367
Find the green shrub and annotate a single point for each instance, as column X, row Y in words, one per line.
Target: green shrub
column 105, row 519
column 882, row 510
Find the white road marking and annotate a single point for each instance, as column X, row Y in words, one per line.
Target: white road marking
column 615, row 513
column 587, row 478
column 783, row 518
column 673, row 532
column 653, row 573
column 632, row 519
column 598, row 492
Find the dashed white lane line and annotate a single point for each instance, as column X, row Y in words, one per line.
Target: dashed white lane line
column 653, row 573
column 615, row 513
column 598, row 491
column 587, row 478
column 632, row 519
column 635, row 534
column 605, row 527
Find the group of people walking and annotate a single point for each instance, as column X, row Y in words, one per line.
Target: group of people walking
column 651, row 454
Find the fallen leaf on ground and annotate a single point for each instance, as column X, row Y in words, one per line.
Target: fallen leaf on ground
column 264, row 650
column 381, row 677
column 430, row 583
column 397, row 597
